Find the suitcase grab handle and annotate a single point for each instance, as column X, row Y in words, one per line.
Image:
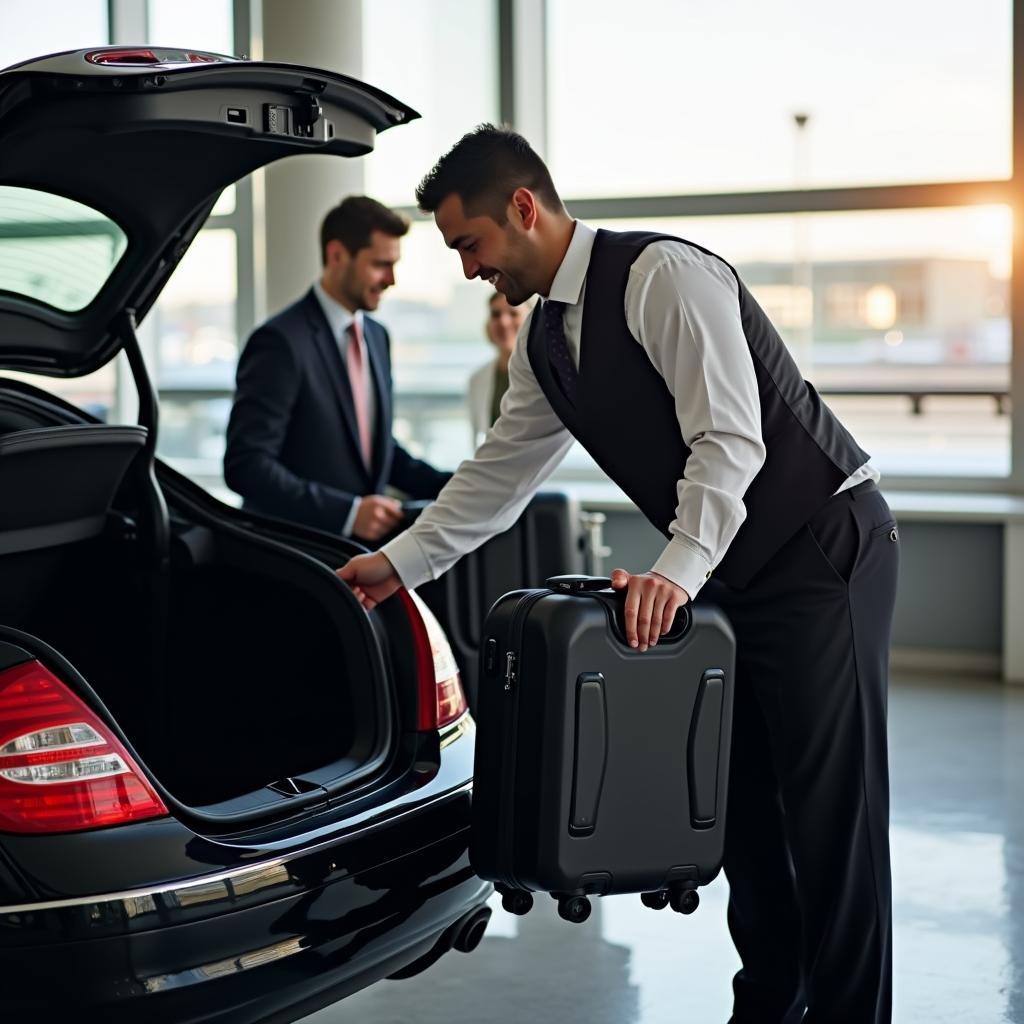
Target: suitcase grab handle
column 578, row 584
column 593, row 584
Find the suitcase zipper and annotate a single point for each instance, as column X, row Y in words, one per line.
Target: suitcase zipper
column 512, row 731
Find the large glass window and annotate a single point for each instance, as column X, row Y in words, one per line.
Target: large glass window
column 436, row 318
column 50, row 26
column 191, row 336
column 194, row 318
column 443, row 63
column 55, row 26
column 441, row 59
column 198, row 24
column 668, row 97
column 901, row 319
column 60, row 253
column 193, row 350
column 55, row 250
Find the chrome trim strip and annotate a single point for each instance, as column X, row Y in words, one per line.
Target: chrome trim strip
column 120, row 768
column 232, row 965
column 457, row 729
column 83, row 745
column 194, row 890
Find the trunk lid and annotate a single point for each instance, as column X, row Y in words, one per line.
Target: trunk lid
column 130, row 158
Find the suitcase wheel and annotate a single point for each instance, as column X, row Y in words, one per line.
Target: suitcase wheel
column 517, row 901
column 657, row 900
column 574, row 908
column 684, row 901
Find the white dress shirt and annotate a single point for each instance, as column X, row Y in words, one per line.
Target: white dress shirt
column 682, row 306
column 339, row 319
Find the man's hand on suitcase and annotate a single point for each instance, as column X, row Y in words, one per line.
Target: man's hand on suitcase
column 371, row 577
column 651, row 605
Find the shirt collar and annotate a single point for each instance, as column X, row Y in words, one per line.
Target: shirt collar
column 338, row 317
column 568, row 283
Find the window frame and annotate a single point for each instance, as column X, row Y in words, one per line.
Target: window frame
column 100, row 226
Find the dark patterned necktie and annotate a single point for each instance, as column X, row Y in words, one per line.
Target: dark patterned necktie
column 558, row 349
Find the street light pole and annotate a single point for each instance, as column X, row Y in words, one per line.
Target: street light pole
column 803, row 279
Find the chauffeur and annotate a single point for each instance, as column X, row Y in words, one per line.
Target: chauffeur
column 652, row 353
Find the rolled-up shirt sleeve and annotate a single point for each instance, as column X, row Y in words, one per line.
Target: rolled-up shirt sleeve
column 489, row 491
column 683, row 307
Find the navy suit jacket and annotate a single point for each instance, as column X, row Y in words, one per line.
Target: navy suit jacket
column 293, row 443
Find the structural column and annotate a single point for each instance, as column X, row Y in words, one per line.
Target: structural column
column 299, row 190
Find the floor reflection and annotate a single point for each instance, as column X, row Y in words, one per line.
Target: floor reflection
column 957, row 754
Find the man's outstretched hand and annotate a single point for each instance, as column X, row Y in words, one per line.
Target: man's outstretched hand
column 371, row 577
column 651, row 605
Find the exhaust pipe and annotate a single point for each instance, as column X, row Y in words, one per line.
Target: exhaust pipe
column 464, row 935
column 470, row 930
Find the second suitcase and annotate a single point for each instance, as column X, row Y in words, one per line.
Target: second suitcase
column 599, row 769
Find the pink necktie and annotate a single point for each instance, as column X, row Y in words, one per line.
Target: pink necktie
column 357, row 380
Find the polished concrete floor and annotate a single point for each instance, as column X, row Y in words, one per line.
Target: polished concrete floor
column 957, row 762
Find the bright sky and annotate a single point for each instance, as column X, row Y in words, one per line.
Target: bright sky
column 664, row 96
column 443, row 63
column 32, row 28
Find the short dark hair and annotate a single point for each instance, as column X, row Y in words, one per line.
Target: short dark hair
column 354, row 219
column 483, row 169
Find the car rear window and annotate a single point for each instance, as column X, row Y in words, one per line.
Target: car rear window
column 54, row 250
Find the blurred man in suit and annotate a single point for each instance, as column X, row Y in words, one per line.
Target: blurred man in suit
column 309, row 437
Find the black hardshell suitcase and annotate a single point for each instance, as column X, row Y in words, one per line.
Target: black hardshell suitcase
column 599, row 769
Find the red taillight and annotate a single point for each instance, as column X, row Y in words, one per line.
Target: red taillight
column 144, row 56
column 130, row 57
column 441, row 700
column 61, row 769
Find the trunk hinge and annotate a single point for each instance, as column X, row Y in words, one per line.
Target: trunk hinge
column 153, row 544
column 153, row 525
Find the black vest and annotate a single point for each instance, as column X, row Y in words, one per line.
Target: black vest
column 625, row 415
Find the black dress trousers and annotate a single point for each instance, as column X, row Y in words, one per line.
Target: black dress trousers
column 807, row 847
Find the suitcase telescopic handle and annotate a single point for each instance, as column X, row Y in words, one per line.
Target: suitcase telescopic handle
column 590, row 584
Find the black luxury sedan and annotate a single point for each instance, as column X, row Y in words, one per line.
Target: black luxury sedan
column 227, row 793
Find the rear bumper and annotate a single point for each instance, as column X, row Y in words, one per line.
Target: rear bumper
column 271, row 941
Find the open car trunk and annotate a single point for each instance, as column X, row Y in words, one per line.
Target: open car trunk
column 243, row 672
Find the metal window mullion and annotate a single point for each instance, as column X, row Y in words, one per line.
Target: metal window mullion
column 528, row 76
column 506, row 62
column 1016, row 200
column 128, row 21
column 826, row 200
column 823, row 200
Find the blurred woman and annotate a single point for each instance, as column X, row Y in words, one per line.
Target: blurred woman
column 489, row 383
